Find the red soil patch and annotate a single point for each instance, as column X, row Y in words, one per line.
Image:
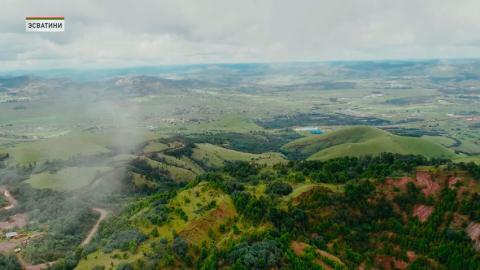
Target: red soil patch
column 454, row 180
column 424, row 179
column 299, row 250
column 198, row 229
column 411, row 256
column 473, row 231
column 463, row 184
column 400, row 183
column 389, row 263
column 15, row 221
column 422, row 212
column 298, row 247
column 400, row 264
column 7, row 246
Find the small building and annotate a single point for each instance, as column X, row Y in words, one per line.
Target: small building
column 10, row 235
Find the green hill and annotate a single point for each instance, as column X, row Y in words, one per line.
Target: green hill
column 215, row 156
column 360, row 141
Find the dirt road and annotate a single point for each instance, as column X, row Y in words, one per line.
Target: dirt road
column 27, row 266
column 103, row 215
column 10, row 198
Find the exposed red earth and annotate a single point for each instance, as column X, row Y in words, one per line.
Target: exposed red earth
column 422, row 212
column 15, row 221
column 473, row 231
column 390, row 263
column 411, row 256
column 299, row 250
column 423, row 180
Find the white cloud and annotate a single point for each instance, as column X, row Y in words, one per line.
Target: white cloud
column 122, row 33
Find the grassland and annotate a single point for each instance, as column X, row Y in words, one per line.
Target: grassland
column 363, row 140
column 305, row 187
column 445, row 141
column 178, row 169
column 153, row 147
column 99, row 258
column 228, row 123
column 60, row 148
column 66, row 179
column 474, row 159
column 215, row 156
column 76, row 143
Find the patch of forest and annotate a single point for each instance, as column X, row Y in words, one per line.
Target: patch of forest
column 318, row 118
column 256, row 142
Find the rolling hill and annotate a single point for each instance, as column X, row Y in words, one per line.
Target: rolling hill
column 361, row 141
column 215, row 156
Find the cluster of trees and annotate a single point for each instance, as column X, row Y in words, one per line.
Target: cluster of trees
column 9, row 262
column 342, row 170
column 472, row 168
column 339, row 170
column 3, row 157
column 127, row 239
column 242, row 170
column 318, row 118
column 159, row 214
column 185, row 146
column 142, row 167
column 157, row 179
column 279, row 188
column 264, row 254
column 252, row 142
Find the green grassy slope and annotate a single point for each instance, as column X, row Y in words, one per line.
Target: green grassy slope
column 215, row 156
column 474, row 159
column 66, row 179
column 75, row 143
column 180, row 170
column 363, row 140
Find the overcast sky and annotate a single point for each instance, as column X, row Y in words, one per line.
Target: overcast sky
column 114, row 33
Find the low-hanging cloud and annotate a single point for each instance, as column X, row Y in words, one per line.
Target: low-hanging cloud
column 125, row 33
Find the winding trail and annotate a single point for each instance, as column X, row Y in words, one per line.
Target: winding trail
column 17, row 220
column 103, row 215
column 11, row 200
column 27, row 266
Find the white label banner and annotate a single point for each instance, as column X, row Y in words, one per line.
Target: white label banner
column 44, row 25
